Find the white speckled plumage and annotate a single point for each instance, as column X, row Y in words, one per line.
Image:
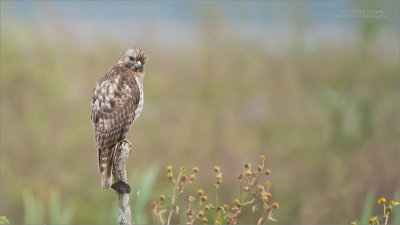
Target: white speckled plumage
column 117, row 102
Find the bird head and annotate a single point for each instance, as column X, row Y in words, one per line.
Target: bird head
column 135, row 58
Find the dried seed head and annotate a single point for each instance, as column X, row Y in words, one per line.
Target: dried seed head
column 267, row 194
column 372, row 220
column 216, row 222
column 274, row 205
column 191, row 177
column 265, row 199
column 240, row 176
column 218, row 178
column 260, row 167
column 226, row 207
column 260, row 187
column 248, row 173
column 183, row 178
column 246, row 189
column 182, row 168
column 170, row 176
column 254, row 174
column 179, row 187
column 268, row 184
column 190, row 212
column 216, row 169
column 247, row 165
column 195, row 169
column 162, row 198
column 236, row 202
column 203, row 198
column 267, row 172
column 206, row 207
column 153, row 204
column 204, row 220
column 262, row 157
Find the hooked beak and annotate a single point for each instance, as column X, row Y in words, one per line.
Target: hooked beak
column 138, row 64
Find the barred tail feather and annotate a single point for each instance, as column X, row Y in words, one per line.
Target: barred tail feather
column 106, row 159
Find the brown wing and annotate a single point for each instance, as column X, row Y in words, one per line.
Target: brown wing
column 114, row 101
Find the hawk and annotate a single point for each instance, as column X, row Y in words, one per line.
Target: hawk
column 117, row 102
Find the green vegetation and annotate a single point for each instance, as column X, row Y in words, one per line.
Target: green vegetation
column 181, row 207
column 4, row 220
column 34, row 210
column 325, row 116
column 384, row 218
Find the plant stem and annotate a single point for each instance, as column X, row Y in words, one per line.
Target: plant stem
column 173, row 197
column 387, row 218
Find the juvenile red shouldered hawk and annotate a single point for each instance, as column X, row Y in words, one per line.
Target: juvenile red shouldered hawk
column 117, row 102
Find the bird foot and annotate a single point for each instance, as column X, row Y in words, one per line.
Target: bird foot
column 126, row 141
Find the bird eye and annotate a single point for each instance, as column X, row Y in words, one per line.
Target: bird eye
column 131, row 58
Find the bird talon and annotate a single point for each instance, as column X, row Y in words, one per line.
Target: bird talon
column 127, row 142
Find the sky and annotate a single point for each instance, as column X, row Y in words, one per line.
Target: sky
column 179, row 20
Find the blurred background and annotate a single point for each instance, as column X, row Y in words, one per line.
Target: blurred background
column 311, row 85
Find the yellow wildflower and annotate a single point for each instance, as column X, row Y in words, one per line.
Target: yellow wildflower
column 169, row 168
column 192, row 198
column 200, row 192
column 200, row 213
column 394, row 203
column 382, row 201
